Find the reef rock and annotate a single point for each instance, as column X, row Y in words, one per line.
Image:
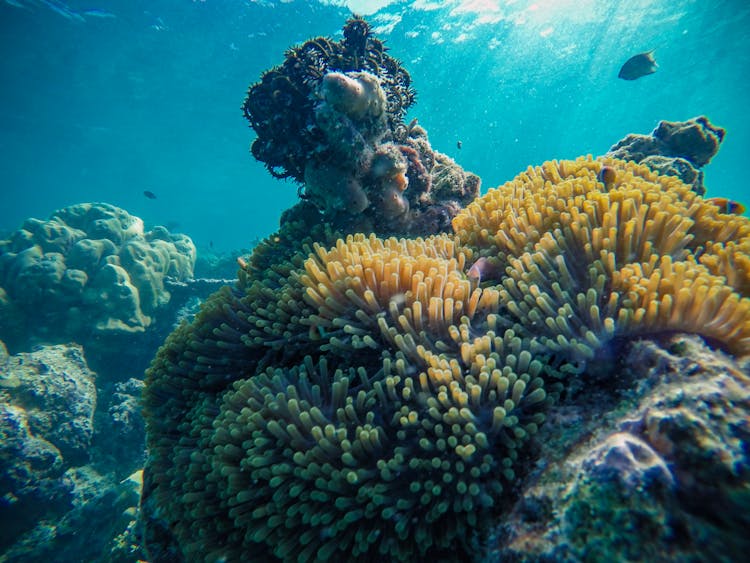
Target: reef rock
column 88, row 271
column 121, row 416
column 331, row 118
column 47, row 403
column 676, row 148
column 102, row 527
column 653, row 466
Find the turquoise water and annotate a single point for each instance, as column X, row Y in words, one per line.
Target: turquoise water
column 146, row 94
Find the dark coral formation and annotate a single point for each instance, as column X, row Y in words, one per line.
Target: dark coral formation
column 331, row 118
column 676, row 148
column 376, row 398
column 281, row 107
column 663, row 479
column 101, row 526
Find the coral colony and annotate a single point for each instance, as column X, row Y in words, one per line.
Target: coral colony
column 331, row 118
column 369, row 397
column 89, row 270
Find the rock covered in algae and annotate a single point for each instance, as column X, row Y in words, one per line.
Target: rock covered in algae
column 47, row 402
column 676, row 148
column 101, row 526
column 654, row 469
column 380, row 398
column 331, row 118
column 88, row 271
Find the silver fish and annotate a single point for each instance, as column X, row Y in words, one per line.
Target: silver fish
column 97, row 13
column 639, row 65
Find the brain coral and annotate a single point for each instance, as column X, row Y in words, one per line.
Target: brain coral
column 89, row 269
column 375, row 399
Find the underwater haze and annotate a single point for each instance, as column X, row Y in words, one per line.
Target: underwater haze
column 103, row 100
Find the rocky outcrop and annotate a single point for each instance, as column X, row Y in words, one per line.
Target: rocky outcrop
column 656, row 468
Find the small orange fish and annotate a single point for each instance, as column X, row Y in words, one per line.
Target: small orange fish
column 726, row 205
column 607, row 176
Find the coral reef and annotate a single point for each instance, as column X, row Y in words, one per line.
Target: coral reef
column 47, row 402
column 656, row 469
column 675, row 148
column 87, row 272
column 62, row 493
column 379, row 398
column 330, row 117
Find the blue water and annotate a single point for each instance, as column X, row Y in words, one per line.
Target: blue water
column 146, row 94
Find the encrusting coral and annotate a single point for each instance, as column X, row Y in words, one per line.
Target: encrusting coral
column 375, row 398
column 674, row 148
column 653, row 470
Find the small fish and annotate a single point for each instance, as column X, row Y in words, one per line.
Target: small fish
column 727, row 205
column 149, row 194
column 459, row 144
column 97, row 13
column 482, row 269
column 607, row 176
column 62, row 9
column 639, row 65
column 210, row 244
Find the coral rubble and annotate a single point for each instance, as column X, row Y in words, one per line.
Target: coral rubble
column 676, row 148
column 379, row 398
column 88, row 271
column 331, row 118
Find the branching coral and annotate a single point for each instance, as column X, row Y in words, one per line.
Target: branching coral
column 374, row 398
